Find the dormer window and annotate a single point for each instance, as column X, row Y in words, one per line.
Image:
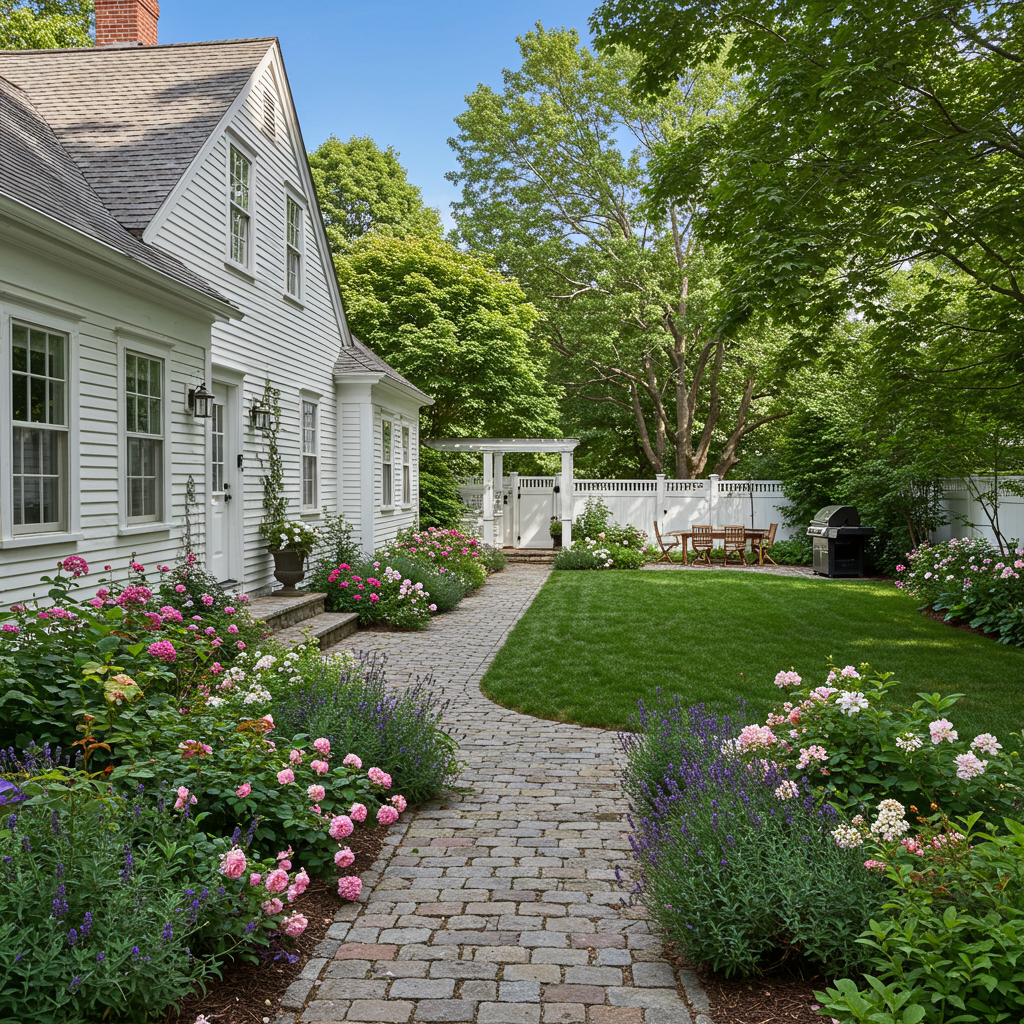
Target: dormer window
column 293, row 248
column 240, row 207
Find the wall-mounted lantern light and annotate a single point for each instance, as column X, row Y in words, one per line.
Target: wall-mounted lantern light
column 200, row 401
column 260, row 415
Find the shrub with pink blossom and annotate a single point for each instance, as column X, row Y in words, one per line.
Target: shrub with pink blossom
column 971, row 582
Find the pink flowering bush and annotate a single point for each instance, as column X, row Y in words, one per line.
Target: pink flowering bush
column 380, row 595
column 450, row 551
column 972, row 582
column 854, row 745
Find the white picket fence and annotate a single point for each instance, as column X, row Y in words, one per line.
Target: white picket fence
column 524, row 506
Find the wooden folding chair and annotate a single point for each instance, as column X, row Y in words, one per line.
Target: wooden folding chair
column 735, row 543
column 767, row 542
column 702, row 540
column 666, row 549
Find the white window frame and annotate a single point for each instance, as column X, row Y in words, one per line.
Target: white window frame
column 296, row 250
column 55, row 321
column 174, row 398
column 309, row 455
column 387, row 466
column 154, row 438
column 406, row 465
column 248, row 267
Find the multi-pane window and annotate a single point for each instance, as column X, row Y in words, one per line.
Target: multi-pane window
column 385, row 469
column 217, row 449
column 406, row 468
column 39, row 411
column 241, row 207
column 143, row 387
column 293, row 248
column 309, row 473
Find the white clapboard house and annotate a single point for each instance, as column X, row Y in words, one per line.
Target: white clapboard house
column 160, row 238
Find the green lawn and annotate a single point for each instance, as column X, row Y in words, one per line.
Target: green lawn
column 594, row 643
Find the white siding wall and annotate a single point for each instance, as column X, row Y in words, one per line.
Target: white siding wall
column 51, row 291
column 387, row 523
column 294, row 345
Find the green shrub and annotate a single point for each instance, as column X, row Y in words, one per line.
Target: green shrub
column 493, row 558
column 442, row 551
column 795, row 551
column 440, row 504
column 334, row 546
column 597, row 554
column 348, row 701
column 446, row 589
column 593, row 519
column 950, row 946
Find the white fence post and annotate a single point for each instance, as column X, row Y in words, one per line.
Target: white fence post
column 713, row 498
column 567, row 495
column 488, row 502
column 513, row 490
column 659, row 507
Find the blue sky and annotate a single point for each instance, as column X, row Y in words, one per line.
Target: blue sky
column 396, row 70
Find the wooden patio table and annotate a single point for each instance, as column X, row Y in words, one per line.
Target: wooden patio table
column 755, row 536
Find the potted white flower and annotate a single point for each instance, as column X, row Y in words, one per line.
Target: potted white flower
column 289, row 543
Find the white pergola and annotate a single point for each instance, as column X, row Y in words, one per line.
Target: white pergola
column 493, row 450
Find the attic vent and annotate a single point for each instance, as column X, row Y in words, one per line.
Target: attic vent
column 269, row 113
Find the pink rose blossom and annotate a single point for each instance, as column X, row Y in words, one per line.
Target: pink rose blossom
column 344, row 857
column 320, row 767
column 301, row 881
column 233, row 863
column 316, row 793
column 399, row 802
column 274, row 906
column 350, row 887
column 341, row 826
column 232, row 628
column 277, row 881
column 323, row 746
column 380, row 777
column 387, row 815
column 942, row 729
column 296, row 756
column 243, row 790
column 180, row 588
column 294, row 926
column 285, row 853
column 193, row 748
column 353, row 760
column 357, row 812
column 255, row 878
column 240, row 645
column 874, row 865
column 286, row 776
column 183, row 798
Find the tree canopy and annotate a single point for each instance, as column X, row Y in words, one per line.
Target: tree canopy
column 871, row 138
column 552, row 170
column 452, row 324
column 45, row 24
column 363, row 188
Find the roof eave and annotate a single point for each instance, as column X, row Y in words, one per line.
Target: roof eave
column 93, row 248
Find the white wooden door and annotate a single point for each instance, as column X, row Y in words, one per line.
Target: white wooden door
column 537, row 504
column 225, row 489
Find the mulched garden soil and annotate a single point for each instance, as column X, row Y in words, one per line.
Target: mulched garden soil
column 250, row 993
column 784, row 995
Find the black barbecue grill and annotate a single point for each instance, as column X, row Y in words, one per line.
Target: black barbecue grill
column 838, row 541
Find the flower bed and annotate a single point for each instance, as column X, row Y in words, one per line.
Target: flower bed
column 199, row 801
column 603, row 545
column 863, row 836
column 972, row 583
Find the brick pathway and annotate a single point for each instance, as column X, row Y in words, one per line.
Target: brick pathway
column 498, row 905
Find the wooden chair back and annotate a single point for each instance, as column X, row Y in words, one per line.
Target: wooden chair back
column 701, row 537
column 770, row 539
column 735, row 542
column 666, row 549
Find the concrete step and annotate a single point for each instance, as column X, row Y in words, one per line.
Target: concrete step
column 282, row 612
column 327, row 629
column 542, row 556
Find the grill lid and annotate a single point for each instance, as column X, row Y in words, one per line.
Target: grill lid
column 837, row 515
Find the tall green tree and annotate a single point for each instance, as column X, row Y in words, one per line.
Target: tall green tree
column 872, row 137
column 451, row 323
column 45, row 24
column 552, row 170
column 363, row 188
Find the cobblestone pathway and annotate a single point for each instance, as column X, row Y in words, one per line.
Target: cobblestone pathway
column 498, row 905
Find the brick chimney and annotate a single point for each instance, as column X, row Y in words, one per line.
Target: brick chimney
column 126, row 22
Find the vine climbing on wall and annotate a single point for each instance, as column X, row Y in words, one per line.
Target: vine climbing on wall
column 275, row 501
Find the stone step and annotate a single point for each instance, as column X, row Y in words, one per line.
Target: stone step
column 327, row 629
column 282, row 612
column 537, row 556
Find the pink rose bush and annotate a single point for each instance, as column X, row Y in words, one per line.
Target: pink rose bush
column 350, row 887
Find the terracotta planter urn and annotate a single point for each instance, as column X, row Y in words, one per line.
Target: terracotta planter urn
column 289, row 569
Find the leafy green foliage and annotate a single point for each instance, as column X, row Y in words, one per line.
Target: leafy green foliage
column 334, row 546
column 45, row 24
column 950, row 946
column 275, row 500
column 552, row 170
column 440, row 504
column 453, row 325
column 363, row 189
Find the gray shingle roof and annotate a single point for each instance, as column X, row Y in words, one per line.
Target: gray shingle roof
column 357, row 358
column 133, row 118
column 36, row 171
